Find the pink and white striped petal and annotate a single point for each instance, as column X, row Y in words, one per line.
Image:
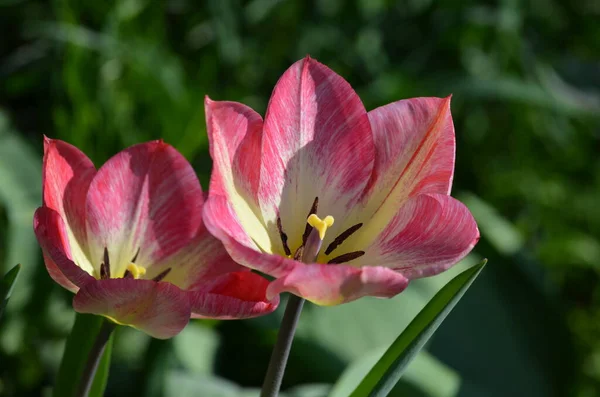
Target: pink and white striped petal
column 161, row 310
column 235, row 133
column 204, row 258
column 52, row 236
column 222, row 222
column 430, row 233
column 146, row 197
column 414, row 149
column 317, row 142
column 329, row 285
column 414, row 140
column 232, row 296
column 66, row 176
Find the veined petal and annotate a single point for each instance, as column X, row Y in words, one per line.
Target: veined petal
column 430, row 233
column 66, row 176
column 233, row 296
column 329, row 285
column 235, row 133
column 415, row 147
column 317, row 142
column 51, row 234
column 222, row 222
column 203, row 258
column 161, row 310
column 146, row 197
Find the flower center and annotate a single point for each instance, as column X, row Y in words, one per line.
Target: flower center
column 313, row 237
column 134, row 271
column 131, row 270
column 312, row 245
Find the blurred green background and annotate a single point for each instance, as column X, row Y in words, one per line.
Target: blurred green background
column 526, row 82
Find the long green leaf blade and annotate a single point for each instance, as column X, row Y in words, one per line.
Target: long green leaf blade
column 80, row 342
column 6, row 286
column 388, row 370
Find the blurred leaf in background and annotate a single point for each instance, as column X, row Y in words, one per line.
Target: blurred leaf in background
column 525, row 78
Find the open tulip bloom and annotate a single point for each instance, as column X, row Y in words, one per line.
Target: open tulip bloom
column 129, row 240
column 333, row 201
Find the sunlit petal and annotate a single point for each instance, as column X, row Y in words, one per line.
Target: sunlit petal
column 159, row 309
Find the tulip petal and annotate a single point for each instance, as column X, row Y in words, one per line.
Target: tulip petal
column 66, row 176
column 222, row 222
column 329, row 285
column 415, row 147
column 235, row 133
column 430, row 233
column 52, row 236
column 203, row 258
column 161, row 310
column 145, row 200
column 233, row 296
column 317, row 142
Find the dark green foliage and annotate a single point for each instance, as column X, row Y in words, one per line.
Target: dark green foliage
column 525, row 81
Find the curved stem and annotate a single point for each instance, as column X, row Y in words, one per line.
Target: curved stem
column 87, row 377
column 281, row 351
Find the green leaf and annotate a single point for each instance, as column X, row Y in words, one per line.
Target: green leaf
column 388, row 370
column 183, row 384
column 80, row 342
column 415, row 382
column 6, row 286
column 101, row 379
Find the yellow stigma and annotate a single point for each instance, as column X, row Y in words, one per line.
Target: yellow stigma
column 135, row 270
column 320, row 225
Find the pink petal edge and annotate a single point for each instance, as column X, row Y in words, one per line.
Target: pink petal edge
column 161, row 310
column 329, row 285
column 429, row 234
column 221, row 221
column 233, row 296
column 234, row 133
column 50, row 232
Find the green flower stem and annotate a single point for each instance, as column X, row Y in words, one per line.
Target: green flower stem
column 89, row 372
column 281, row 351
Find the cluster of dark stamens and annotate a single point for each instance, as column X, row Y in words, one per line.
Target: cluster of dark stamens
column 334, row 244
column 105, row 268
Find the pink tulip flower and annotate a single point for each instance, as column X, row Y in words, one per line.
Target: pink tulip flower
column 333, row 201
column 129, row 241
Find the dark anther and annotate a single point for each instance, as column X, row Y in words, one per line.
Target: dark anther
column 308, row 228
column 341, row 238
column 103, row 274
column 162, row 275
column 136, row 255
column 299, row 252
column 127, row 274
column 105, row 266
column 346, row 257
column 284, row 237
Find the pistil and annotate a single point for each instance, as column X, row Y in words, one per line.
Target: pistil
column 314, row 241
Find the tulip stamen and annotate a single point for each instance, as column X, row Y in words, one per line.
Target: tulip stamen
column 308, row 228
column 134, row 271
column 136, row 255
column 346, row 257
column 284, row 237
column 162, row 275
column 105, row 266
column 342, row 237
